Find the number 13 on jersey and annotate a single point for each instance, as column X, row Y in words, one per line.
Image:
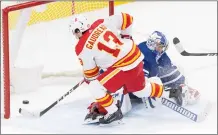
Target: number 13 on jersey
column 109, row 36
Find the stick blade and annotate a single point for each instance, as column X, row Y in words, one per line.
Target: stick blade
column 28, row 113
column 183, row 52
column 202, row 116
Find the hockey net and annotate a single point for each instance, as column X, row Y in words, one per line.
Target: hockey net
column 37, row 43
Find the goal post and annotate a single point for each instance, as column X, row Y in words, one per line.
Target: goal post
column 53, row 10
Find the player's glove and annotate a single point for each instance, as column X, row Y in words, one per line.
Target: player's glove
column 96, row 111
column 86, row 81
column 95, row 107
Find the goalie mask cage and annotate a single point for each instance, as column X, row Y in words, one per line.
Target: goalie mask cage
column 35, row 13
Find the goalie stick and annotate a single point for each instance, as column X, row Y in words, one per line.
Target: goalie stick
column 183, row 52
column 185, row 112
column 39, row 114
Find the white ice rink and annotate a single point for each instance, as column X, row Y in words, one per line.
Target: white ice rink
column 195, row 23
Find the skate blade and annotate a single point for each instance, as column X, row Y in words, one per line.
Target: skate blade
column 90, row 122
column 114, row 123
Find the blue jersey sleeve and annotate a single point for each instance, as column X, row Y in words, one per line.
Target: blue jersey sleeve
column 171, row 76
column 149, row 61
column 169, row 73
column 164, row 61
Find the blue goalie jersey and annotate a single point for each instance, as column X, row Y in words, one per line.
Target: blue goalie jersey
column 161, row 66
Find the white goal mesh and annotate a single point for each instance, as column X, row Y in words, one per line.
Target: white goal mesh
column 37, row 43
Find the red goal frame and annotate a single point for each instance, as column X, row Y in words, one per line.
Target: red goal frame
column 5, row 39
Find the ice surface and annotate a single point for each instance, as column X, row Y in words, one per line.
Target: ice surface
column 195, row 23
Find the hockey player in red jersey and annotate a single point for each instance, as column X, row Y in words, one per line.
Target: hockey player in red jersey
column 100, row 47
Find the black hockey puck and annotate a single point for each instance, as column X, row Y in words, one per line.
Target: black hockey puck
column 175, row 41
column 25, row 102
column 19, row 110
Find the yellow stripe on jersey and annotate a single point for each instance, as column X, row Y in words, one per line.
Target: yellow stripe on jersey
column 109, row 76
column 106, row 101
column 130, row 58
column 131, row 61
column 92, row 72
column 129, row 54
column 92, row 75
column 109, row 103
column 124, row 21
column 127, row 21
column 153, row 89
column 160, row 91
column 104, row 98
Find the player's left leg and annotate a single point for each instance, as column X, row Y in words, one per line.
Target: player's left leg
column 96, row 111
column 109, row 82
column 102, row 89
column 105, row 99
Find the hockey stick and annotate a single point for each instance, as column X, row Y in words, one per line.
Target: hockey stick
column 181, row 110
column 181, row 50
column 39, row 114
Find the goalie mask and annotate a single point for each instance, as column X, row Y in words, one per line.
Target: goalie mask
column 78, row 25
column 157, row 42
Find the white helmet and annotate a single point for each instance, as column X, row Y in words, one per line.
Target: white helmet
column 79, row 24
